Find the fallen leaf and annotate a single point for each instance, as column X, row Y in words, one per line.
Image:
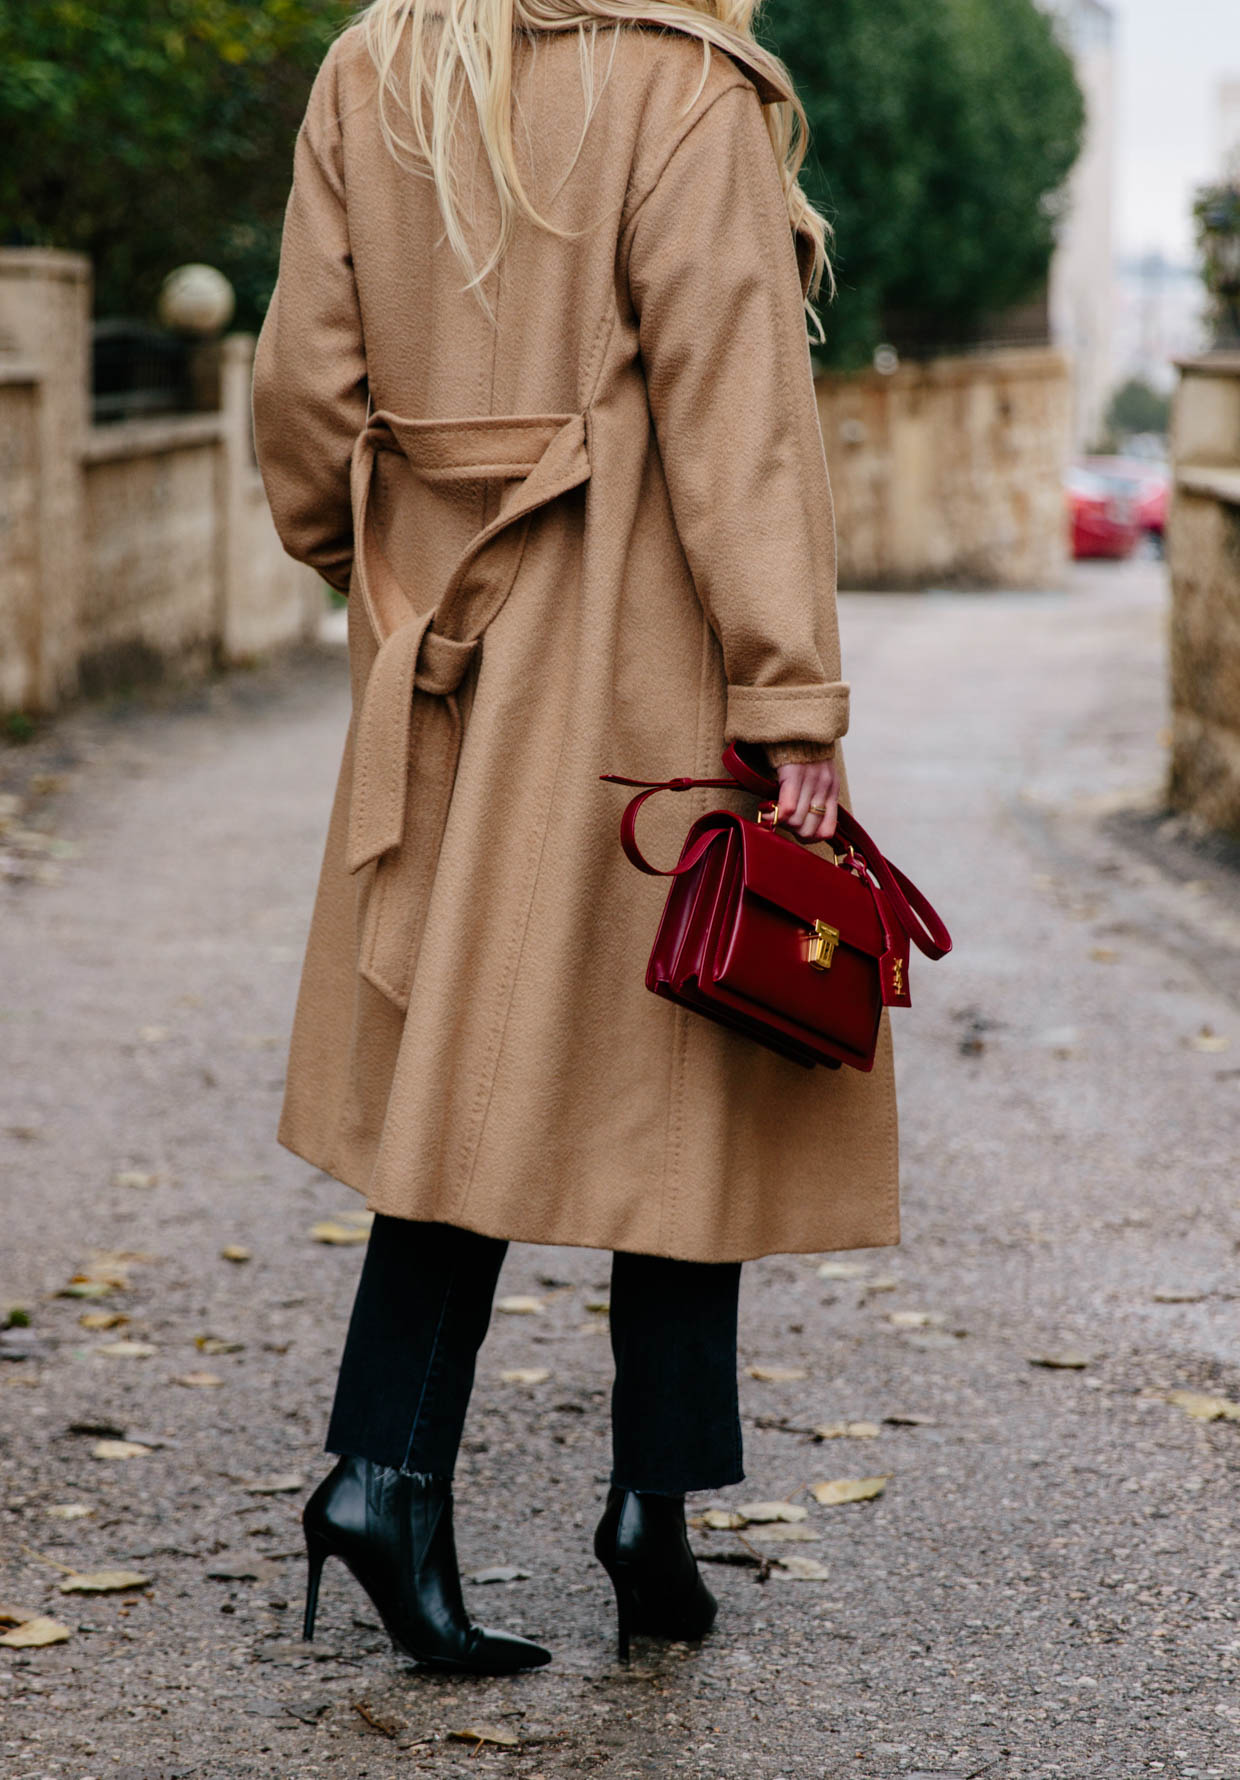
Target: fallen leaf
column 119, row 1449
column 519, row 1306
column 795, row 1568
column 126, row 1350
column 883, row 1282
column 34, row 1633
column 765, row 1513
column 1103, row 954
column 501, row 1573
column 388, row 1728
column 16, row 1615
column 1066, row 1361
column 103, row 1319
column 900, row 1418
column 282, row 1485
column 1176, row 1295
column 914, row 1319
column 1204, row 1408
column 848, row 1489
column 486, row 1733
column 782, row 1535
column 338, row 1235
column 153, row 1035
column 525, row 1375
column 740, row 1558
column 235, row 1251
column 103, row 1582
column 85, row 1288
column 776, row 1374
column 719, row 1520
column 135, row 1177
column 1210, row 1041
column 846, row 1431
column 843, row 1270
column 205, row 1380
column 69, row 1511
column 598, row 1306
column 217, row 1344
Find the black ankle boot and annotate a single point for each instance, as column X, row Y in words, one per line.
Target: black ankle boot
column 393, row 1529
column 643, row 1545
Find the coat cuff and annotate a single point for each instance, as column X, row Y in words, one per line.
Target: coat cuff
column 777, row 713
column 798, row 753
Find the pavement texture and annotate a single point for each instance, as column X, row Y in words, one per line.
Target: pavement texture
column 1046, row 1585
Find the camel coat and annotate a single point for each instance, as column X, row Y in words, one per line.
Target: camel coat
column 584, row 529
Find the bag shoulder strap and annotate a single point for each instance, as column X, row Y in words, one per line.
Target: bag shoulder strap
column 628, row 822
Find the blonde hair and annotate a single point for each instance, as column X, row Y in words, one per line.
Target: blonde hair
column 474, row 56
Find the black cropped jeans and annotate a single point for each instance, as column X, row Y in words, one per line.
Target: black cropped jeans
column 422, row 1309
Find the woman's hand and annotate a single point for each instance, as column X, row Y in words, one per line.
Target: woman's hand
column 809, row 798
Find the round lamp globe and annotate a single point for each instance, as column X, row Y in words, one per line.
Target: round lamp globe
column 196, row 299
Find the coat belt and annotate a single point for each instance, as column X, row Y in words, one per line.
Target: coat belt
column 407, row 735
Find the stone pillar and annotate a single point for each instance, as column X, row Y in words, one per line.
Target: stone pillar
column 1203, row 549
column 265, row 599
column 45, row 323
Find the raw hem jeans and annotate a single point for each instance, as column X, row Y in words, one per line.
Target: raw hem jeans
column 422, row 1309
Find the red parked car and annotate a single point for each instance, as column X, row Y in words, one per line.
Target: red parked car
column 1102, row 513
column 1149, row 483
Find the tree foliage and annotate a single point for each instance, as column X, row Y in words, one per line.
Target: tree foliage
column 942, row 134
column 1136, row 407
column 151, row 132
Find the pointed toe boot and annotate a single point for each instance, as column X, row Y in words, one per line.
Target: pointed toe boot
column 393, row 1531
column 643, row 1544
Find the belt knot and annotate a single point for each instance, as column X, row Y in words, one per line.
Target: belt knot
column 409, row 722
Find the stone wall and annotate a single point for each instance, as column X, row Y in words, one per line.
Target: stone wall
column 1203, row 547
column 950, row 473
column 147, row 546
column 131, row 550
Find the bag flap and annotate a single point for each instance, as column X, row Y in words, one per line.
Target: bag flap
column 810, row 887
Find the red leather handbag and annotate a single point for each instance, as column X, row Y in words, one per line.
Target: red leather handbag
column 799, row 951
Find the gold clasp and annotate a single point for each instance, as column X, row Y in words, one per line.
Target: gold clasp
column 768, row 815
column 822, row 944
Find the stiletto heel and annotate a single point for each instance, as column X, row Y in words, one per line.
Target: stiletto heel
column 643, row 1545
column 624, row 1615
column 317, row 1554
column 393, row 1531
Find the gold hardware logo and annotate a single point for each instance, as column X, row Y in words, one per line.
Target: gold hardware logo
column 897, row 975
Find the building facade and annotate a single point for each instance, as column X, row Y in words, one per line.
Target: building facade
column 1082, row 291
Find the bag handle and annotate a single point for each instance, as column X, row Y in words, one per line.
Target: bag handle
column 915, row 913
column 919, row 919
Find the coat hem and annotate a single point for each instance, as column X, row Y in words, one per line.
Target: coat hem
column 502, row 1230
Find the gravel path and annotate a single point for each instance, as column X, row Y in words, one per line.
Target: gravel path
column 1047, row 1585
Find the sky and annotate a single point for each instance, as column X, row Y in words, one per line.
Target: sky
column 1170, row 55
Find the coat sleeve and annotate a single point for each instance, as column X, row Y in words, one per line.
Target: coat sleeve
column 715, row 283
column 310, row 392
